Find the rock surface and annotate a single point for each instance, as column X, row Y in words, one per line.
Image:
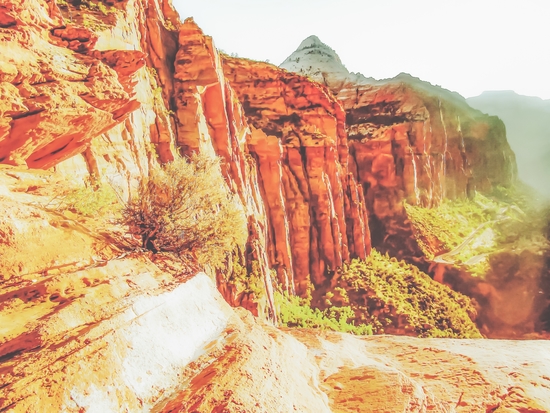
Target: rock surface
column 92, row 95
column 95, row 329
column 408, row 140
column 209, row 118
column 134, row 128
column 129, row 336
column 55, row 96
column 316, row 212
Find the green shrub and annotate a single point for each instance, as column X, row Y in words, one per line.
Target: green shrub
column 294, row 311
column 186, row 206
column 395, row 297
column 445, row 226
column 247, row 282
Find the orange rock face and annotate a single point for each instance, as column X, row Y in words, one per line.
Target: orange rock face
column 83, row 99
column 412, row 141
column 53, row 107
column 408, row 141
column 315, row 212
column 209, row 118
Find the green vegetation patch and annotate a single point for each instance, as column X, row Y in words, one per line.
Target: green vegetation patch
column 443, row 228
column 467, row 233
column 247, row 282
column 296, row 312
column 91, row 201
column 397, row 298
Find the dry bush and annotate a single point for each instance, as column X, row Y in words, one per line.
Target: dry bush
column 186, row 206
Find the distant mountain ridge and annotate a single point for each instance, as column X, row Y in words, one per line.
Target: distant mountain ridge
column 527, row 120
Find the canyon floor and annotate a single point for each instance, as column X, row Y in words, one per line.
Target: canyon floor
column 89, row 325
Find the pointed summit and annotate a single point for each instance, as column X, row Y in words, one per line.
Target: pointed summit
column 311, row 41
column 313, row 54
column 320, row 62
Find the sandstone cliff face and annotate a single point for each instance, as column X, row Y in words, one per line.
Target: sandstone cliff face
column 151, row 93
column 76, row 93
column 316, row 212
column 209, row 119
column 412, row 142
column 57, row 94
column 409, row 141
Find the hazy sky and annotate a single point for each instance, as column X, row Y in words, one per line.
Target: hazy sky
column 464, row 45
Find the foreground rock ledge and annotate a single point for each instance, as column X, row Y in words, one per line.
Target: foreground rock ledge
column 183, row 349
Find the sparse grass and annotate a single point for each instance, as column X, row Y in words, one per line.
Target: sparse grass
column 186, row 207
column 90, row 201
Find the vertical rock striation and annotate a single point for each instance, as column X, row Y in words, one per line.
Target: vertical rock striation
column 209, row 118
column 108, row 94
column 317, row 216
column 408, row 141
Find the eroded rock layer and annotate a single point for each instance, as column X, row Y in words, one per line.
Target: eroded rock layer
column 56, row 95
column 209, row 118
column 95, row 98
column 317, row 214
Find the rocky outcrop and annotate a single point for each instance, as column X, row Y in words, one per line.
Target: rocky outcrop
column 209, row 118
column 55, row 97
column 128, row 335
column 408, row 140
column 316, row 213
column 80, row 100
column 169, row 95
column 94, row 328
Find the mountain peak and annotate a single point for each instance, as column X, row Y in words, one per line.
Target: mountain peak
column 317, row 60
column 311, row 41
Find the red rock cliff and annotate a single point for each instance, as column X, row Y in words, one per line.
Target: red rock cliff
column 408, row 140
column 57, row 92
column 97, row 93
column 412, row 141
column 316, row 213
column 209, row 118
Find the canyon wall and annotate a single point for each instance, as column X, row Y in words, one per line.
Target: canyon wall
column 411, row 141
column 97, row 94
column 100, row 94
column 316, row 210
column 408, row 141
column 105, row 94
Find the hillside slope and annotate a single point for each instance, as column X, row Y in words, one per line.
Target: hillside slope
column 96, row 327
